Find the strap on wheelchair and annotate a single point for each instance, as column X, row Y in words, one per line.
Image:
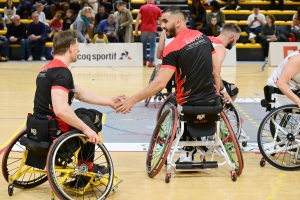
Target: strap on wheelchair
column 197, row 110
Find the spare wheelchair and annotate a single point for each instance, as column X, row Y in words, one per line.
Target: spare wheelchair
column 216, row 135
column 68, row 175
column 278, row 135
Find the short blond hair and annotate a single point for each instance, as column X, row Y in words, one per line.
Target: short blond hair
column 86, row 10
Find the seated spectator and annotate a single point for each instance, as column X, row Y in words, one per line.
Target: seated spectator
column 296, row 25
column 24, row 5
column 269, row 34
column 58, row 5
column 82, row 23
column 216, row 12
column 16, row 33
column 9, row 13
column 100, row 38
column 124, row 20
column 213, row 28
column 75, row 6
column 102, row 14
column 94, row 5
column 107, row 5
column 42, row 16
column 55, row 24
column 46, row 6
column 198, row 15
column 255, row 22
column 228, row 5
column 68, row 19
column 36, row 36
column 109, row 27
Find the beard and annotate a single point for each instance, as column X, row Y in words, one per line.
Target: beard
column 171, row 32
column 229, row 45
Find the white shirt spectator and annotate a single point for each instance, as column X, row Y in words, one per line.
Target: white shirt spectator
column 256, row 24
column 42, row 18
column 9, row 13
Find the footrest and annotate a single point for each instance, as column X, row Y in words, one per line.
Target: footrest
column 200, row 165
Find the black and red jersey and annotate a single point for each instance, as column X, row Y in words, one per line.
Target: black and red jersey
column 190, row 54
column 54, row 75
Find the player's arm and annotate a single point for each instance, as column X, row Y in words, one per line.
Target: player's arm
column 291, row 68
column 221, row 53
column 92, row 98
column 161, row 44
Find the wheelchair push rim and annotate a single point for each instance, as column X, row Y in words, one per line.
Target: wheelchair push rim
column 231, row 144
column 234, row 119
column 20, row 172
column 153, row 75
column 283, row 124
column 62, row 174
column 161, row 141
column 164, row 106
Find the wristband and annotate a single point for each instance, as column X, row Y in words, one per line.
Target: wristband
column 223, row 91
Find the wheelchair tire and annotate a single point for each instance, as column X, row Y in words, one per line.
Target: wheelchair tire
column 57, row 187
column 153, row 75
column 267, row 130
column 6, row 171
column 238, row 125
column 231, row 143
column 164, row 106
column 164, row 144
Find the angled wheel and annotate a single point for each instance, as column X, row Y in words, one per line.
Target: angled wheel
column 161, row 141
column 72, row 177
column 231, row 144
column 234, row 119
column 167, row 103
column 13, row 165
column 278, row 138
column 153, row 75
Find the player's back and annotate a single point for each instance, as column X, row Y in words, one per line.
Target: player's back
column 191, row 54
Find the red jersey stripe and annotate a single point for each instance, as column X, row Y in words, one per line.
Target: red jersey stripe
column 60, row 87
column 53, row 64
column 168, row 66
column 213, row 52
column 214, row 40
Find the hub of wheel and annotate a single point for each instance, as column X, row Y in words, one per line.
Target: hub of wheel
column 290, row 137
column 83, row 168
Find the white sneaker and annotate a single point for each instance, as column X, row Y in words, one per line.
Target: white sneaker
column 223, row 8
column 201, row 152
column 238, row 8
column 252, row 36
column 30, row 58
column 43, row 58
column 266, row 59
column 186, row 156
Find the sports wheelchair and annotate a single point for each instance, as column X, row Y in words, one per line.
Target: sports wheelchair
column 217, row 136
column 62, row 168
column 278, row 135
column 230, row 110
column 158, row 96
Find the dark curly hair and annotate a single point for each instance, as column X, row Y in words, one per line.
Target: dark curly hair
column 216, row 5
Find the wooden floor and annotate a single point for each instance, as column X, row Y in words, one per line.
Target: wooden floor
column 17, row 86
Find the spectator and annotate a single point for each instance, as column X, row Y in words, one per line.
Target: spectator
column 269, row 34
column 90, row 29
column 296, row 24
column 75, row 6
column 107, row 5
column 109, row 28
column 94, row 5
column 216, row 12
column 15, row 34
column 36, row 32
column 124, row 20
column 24, row 5
column 9, row 13
column 46, row 6
column 255, row 22
column 212, row 29
column 55, row 24
column 39, row 11
column 68, row 19
column 82, row 23
column 100, row 38
column 58, row 5
column 86, row 4
column 198, row 15
column 149, row 14
column 102, row 14
column 228, row 5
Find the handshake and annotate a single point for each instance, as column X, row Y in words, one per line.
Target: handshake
column 122, row 104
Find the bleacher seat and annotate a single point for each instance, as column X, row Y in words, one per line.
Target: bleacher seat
column 4, row 1
column 1, row 10
column 2, row 32
column 48, row 44
column 137, row 1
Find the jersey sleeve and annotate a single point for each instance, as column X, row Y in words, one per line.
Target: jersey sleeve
column 169, row 61
column 63, row 80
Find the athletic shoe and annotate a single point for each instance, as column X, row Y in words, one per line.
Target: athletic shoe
column 251, row 36
column 186, row 156
column 100, row 169
column 238, row 8
column 43, row 58
column 30, row 58
column 151, row 64
column 144, row 62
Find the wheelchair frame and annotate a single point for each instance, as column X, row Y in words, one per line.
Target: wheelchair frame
column 167, row 155
column 67, row 172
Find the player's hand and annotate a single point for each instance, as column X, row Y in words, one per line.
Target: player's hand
column 92, row 136
column 125, row 106
column 116, row 99
column 226, row 97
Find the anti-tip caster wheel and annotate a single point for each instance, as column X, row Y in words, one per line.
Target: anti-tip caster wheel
column 233, row 176
column 168, row 177
column 244, row 144
column 10, row 189
column 262, row 162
